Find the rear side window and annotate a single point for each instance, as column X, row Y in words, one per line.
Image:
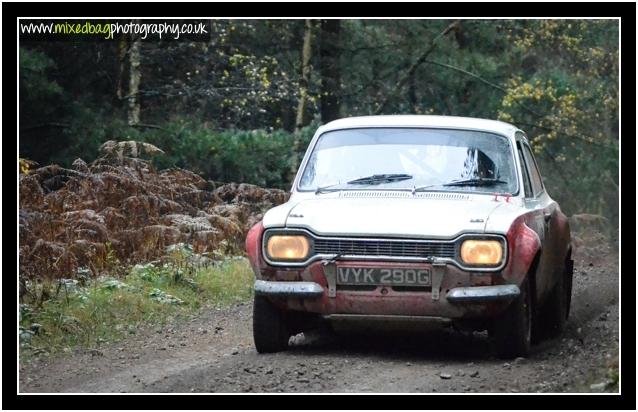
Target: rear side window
column 526, row 184
column 534, row 174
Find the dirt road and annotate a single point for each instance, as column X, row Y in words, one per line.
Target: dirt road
column 214, row 353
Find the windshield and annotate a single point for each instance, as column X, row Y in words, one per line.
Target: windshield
column 433, row 159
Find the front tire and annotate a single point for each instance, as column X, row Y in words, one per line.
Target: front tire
column 512, row 330
column 556, row 309
column 270, row 331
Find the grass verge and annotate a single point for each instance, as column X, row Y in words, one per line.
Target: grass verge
column 107, row 309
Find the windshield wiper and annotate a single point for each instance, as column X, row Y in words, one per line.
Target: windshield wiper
column 383, row 178
column 475, row 182
column 424, row 188
column 328, row 188
column 368, row 180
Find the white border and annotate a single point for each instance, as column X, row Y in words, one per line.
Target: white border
column 334, row 18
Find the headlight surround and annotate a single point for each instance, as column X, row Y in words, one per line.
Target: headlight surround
column 482, row 252
column 288, row 247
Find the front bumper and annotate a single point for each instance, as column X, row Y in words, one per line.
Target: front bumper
column 455, row 293
column 288, row 289
column 483, row 293
column 463, row 294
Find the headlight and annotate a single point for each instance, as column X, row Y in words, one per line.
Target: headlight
column 482, row 252
column 282, row 247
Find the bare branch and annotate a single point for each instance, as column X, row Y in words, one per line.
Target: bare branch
column 417, row 63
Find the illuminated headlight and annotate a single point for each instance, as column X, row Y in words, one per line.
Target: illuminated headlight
column 285, row 247
column 482, row 252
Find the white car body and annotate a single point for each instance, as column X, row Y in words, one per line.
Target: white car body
column 441, row 215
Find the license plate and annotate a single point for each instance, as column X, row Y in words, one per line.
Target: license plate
column 379, row 276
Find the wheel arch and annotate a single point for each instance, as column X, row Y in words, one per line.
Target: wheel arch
column 525, row 249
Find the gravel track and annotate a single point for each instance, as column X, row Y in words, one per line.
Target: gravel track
column 213, row 352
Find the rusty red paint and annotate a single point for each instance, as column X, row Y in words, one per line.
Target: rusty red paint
column 523, row 244
column 253, row 246
column 253, row 249
column 413, row 303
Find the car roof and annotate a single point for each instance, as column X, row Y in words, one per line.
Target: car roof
column 452, row 122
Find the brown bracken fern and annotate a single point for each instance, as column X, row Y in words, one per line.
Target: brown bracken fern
column 119, row 205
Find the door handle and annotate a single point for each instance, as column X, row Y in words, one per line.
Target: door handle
column 547, row 216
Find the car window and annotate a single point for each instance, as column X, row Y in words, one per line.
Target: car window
column 535, row 176
column 526, row 184
column 428, row 157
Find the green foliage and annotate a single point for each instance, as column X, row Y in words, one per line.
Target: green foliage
column 33, row 73
column 565, row 96
column 88, row 129
column 41, row 99
column 226, row 107
column 108, row 309
column 258, row 157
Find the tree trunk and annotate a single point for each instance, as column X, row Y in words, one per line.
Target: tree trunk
column 135, row 76
column 303, row 94
column 330, row 70
column 460, row 36
column 121, row 56
column 305, row 76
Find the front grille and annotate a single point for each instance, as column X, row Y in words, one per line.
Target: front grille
column 397, row 248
